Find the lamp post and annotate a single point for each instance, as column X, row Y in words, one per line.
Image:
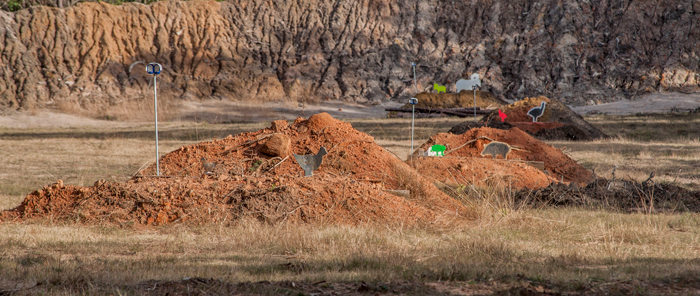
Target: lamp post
column 154, row 69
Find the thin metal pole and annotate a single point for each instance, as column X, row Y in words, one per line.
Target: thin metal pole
column 413, row 120
column 155, row 107
column 413, row 117
column 415, row 84
column 474, row 89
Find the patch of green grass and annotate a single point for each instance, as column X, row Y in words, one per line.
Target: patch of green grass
column 13, row 5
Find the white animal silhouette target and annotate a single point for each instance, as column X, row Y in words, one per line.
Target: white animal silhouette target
column 468, row 84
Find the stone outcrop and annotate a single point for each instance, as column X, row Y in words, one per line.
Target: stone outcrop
column 91, row 56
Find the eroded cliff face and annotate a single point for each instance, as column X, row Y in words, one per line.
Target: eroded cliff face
column 92, row 56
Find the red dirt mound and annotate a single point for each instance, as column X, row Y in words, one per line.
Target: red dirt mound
column 458, row 171
column 227, row 179
column 555, row 161
column 556, row 115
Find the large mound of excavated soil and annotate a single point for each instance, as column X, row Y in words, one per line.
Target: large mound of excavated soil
column 558, row 165
column 350, row 187
column 558, row 122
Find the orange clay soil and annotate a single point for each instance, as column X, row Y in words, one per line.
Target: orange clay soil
column 458, row 171
column 556, row 163
column 350, row 187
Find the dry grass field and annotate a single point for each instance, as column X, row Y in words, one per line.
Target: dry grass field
column 509, row 250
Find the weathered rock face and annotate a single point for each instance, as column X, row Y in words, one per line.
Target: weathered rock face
column 91, row 56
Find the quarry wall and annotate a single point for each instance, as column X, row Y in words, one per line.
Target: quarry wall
column 92, row 56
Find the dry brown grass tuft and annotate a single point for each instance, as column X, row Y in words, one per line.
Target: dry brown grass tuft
column 675, row 162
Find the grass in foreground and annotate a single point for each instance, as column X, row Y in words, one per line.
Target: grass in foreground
column 566, row 247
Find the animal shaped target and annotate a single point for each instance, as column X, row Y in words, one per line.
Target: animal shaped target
column 502, row 115
column 439, row 88
column 309, row 163
column 470, row 84
column 436, row 150
column 496, row 148
column 536, row 112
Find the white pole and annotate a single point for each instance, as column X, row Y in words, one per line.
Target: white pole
column 413, row 104
column 155, row 68
column 474, row 89
column 155, row 107
column 413, row 120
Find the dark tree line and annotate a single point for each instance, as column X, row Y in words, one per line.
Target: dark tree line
column 15, row 5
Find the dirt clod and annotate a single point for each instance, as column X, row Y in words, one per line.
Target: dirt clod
column 279, row 125
column 277, row 145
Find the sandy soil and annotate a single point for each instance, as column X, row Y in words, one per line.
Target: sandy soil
column 214, row 111
column 651, row 103
column 47, row 119
column 210, row 111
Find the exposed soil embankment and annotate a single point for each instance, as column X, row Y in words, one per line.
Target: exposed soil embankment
column 89, row 58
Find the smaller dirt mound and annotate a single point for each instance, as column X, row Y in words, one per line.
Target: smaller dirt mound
column 228, row 179
column 517, row 112
column 541, row 131
column 569, row 125
column 559, row 165
column 459, row 171
column 485, row 100
column 626, row 196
